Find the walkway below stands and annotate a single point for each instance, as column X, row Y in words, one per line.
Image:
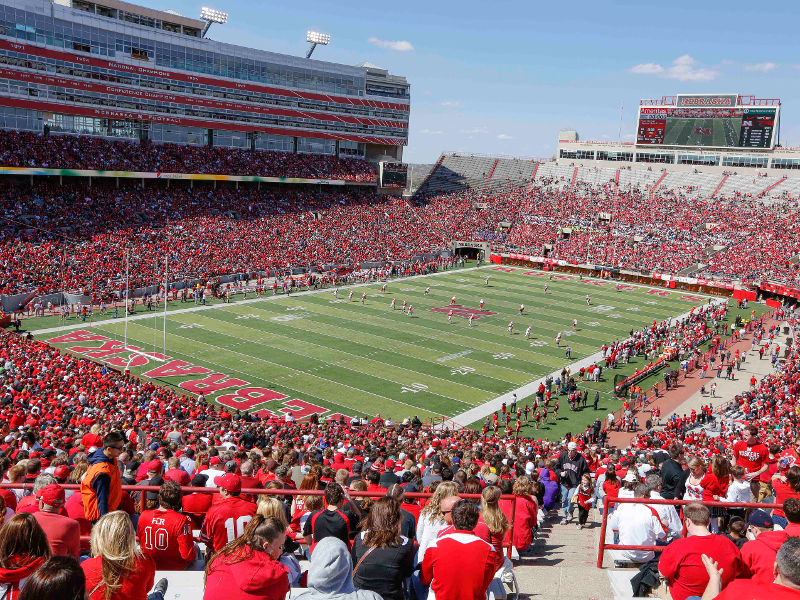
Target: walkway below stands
column 687, row 396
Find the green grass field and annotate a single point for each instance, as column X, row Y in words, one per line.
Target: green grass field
column 688, row 132
column 311, row 352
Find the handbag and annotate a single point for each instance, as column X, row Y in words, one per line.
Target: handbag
column 366, row 554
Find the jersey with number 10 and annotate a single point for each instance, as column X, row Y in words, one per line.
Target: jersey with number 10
column 166, row 536
column 226, row 521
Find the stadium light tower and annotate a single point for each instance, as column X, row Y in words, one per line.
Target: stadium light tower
column 209, row 15
column 315, row 38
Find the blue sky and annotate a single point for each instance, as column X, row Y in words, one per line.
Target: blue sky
column 506, row 76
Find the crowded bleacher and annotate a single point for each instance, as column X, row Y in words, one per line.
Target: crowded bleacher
column 252, row 532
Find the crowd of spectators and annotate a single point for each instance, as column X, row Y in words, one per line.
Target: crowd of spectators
column 25, row 149
column 77, row 238
column 747, row 452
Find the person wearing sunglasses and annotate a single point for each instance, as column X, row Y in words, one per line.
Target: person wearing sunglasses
column 101, row 487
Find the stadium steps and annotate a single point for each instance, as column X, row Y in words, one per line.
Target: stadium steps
column 690, row 269
column 562, row 563
column 494, row 166
column 616, row 185
column 657, row 183
column 718, row 188
column 423, row 185
column 772, row 187
column 574, row 178
column 533, row 178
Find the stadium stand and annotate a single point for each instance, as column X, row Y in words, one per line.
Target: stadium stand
column 23, row 149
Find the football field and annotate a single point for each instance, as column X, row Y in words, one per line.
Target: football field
column 311, row 352
column 702, row 132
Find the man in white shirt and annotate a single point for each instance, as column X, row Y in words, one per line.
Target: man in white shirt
column 213, row 471
column 666, row 513
column 637, row 525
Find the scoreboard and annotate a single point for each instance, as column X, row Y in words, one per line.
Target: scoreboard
column 393, row 174
column 708, row 121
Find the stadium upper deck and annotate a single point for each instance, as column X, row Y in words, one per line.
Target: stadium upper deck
column 119, row 70
column 714, row 133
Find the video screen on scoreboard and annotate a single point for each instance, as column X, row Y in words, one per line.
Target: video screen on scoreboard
column 707, row 127
column 394, row 175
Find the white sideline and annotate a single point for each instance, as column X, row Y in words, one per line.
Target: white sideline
column 219, row 304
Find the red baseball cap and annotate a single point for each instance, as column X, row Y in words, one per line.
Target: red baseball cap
column 52, row 495
column 154, row 465
column 215, row 460
column 230, row 482
column 62, row 472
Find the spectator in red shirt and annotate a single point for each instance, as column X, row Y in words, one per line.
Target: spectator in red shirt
column 166, row 535
column 196, row 505
column 681, row 563
column 63, row 534
column 442, row 568
column 758, row 555
column 784, row 586
column 117, row 569
column 227, row 520
column 715, row 486
column 247, row 568
column 58, row 577
column 23, row 549
column 785, row 486
column 175, row 473
column 753, row 456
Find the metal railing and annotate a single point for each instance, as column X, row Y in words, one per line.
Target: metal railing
column 261, row 491
column 653, row 501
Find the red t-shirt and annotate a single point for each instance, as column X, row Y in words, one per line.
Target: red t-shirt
column 226, row 521
column 782, row 492
column 750, row 589
column 134, row 587
column 166, row 536
column 714, row 486
column 751, row 458
column 681, row 564
column 178, row 476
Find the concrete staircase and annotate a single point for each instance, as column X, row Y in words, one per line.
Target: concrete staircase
column 562, row 565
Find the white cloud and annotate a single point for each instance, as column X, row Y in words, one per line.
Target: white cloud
column 399, row 45
column 684, row 68
column 451, row 103
column 474, row 130
column 628, row 136
column 763, row 67
column 430, row 132
column 503, row 136
column 646, row 69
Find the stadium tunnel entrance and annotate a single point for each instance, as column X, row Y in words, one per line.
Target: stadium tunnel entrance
column 471, row 250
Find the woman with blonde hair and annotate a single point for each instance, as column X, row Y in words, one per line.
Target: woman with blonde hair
column 269, row 506
column 493, row 524
column 118, row 570
column 431, row 519
column 524, row 491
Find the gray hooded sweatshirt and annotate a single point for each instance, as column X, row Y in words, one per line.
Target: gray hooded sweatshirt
column 330, row 575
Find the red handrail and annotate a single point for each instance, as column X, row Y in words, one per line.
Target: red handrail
column 608, row 501
column 257, row 491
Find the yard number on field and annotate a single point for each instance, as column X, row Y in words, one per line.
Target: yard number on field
column 413, row 388
column 462, row 371
column 503, row 356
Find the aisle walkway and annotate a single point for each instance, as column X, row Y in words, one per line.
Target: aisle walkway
column 562, row 565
